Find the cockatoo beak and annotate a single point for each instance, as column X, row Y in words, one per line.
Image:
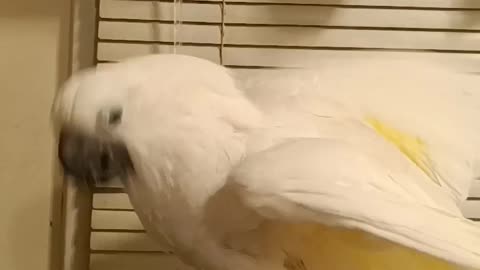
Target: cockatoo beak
column 89, row 158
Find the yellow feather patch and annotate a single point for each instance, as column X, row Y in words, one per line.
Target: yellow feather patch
column 411, row 146
column 317, row 247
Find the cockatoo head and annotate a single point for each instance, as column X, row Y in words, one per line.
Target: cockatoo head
column 101, row 112
column 86, row 112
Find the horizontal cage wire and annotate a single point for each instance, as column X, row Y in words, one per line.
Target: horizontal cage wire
column 260, row 34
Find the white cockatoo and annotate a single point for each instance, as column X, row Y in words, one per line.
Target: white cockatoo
column 355, row 166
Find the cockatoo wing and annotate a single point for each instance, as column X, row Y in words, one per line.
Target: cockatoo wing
column 331, row 182
column 434, row 104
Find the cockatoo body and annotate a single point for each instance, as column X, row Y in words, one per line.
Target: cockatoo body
column 350, row 167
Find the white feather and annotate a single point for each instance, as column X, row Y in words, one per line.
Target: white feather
column 301, row 150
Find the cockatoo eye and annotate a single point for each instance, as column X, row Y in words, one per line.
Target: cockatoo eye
column 110, row 117
column 115, row 116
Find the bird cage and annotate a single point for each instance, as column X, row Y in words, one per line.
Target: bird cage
column 102, row 232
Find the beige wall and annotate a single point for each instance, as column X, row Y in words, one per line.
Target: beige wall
column 33, row 42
